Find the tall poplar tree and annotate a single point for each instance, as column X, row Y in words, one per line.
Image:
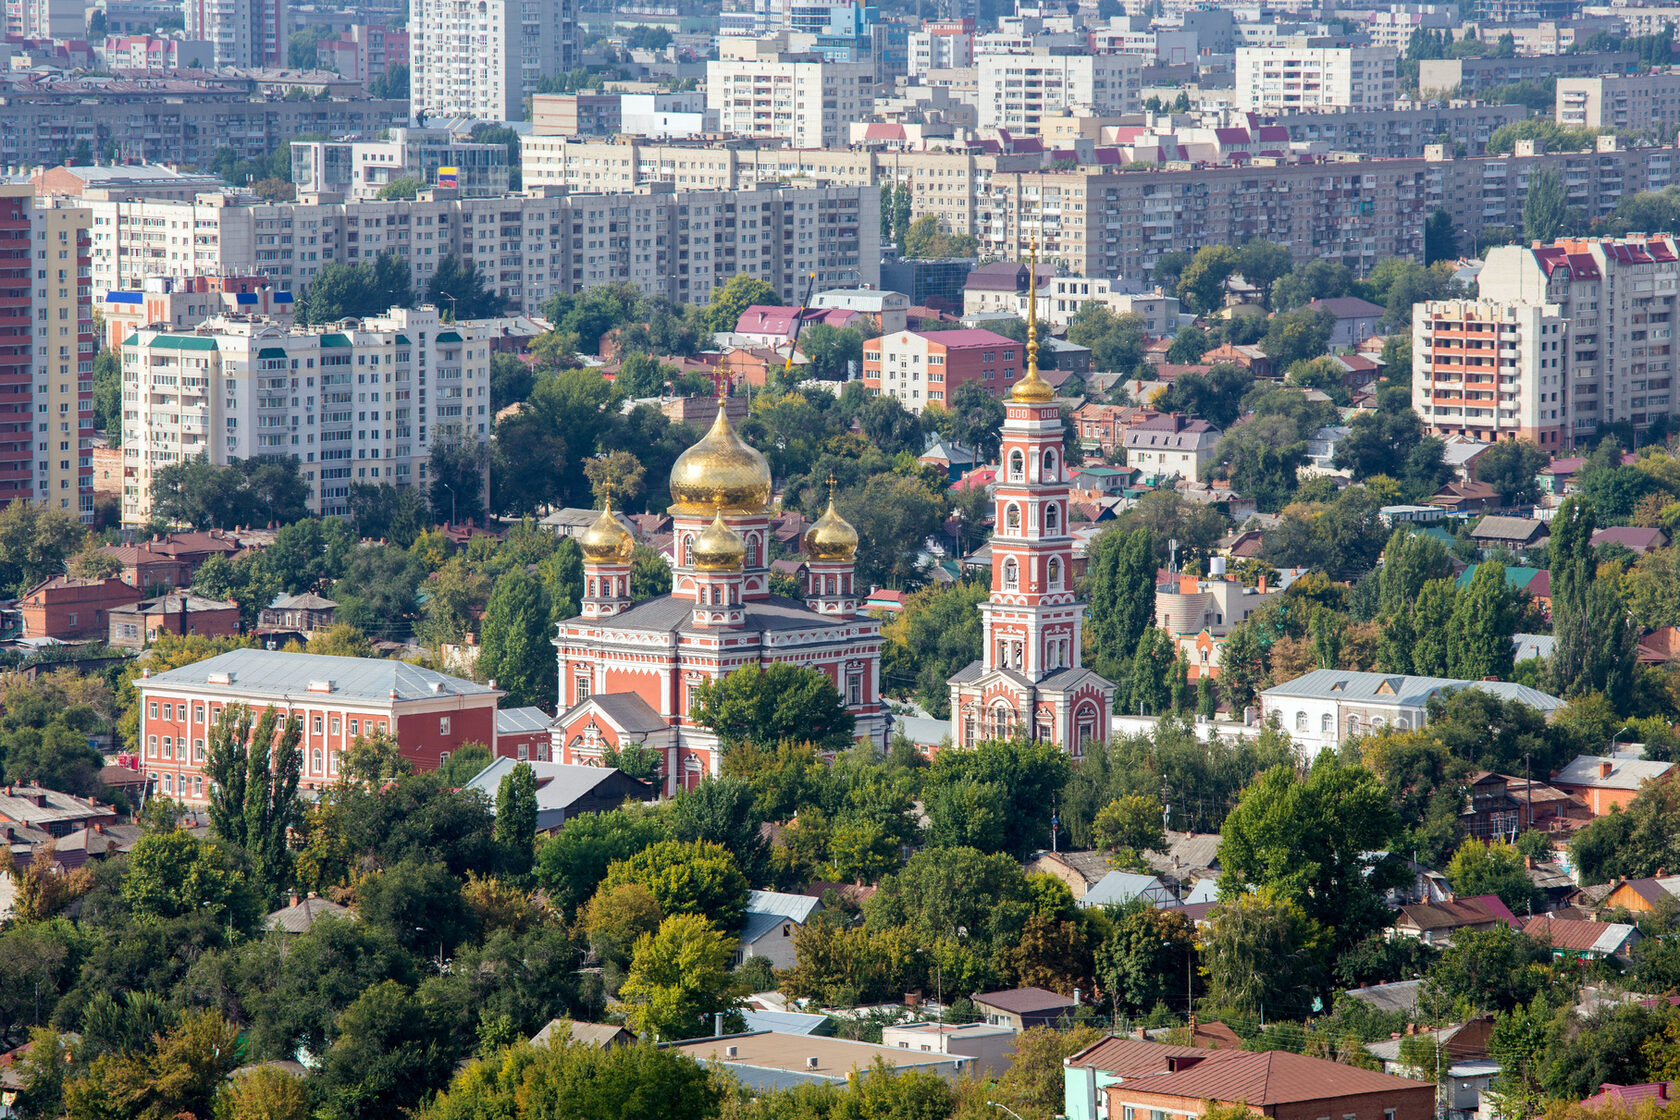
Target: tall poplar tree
column 254, row 773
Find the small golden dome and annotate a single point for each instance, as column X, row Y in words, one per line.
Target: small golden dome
column 720, row 470
column 832, row 538
column 719, row 548
column 606, row 541
column 1032, row 389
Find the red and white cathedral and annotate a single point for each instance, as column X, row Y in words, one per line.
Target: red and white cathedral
column 1029, row 682
column 629, row 671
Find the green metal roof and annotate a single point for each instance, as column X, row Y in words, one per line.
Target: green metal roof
column 335, row 340
column 449, row 336
column 402, row 340
column 1517, row 578
column 190, row 342
column 132, row 339
column 271, row 352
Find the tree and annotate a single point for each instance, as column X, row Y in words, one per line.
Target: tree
column 516, row 819
column 721, row 811
column 177, row 1075
column 1242, row 666
column 732, row 299
column 1202, row 283
column 1546, row 213
column 1595, row 636
column 394, row 513
column 402, row 187
column 1479, row 868
column 1215, row 396
column 1130, row 823
column 679, row 977
column 386, row 1057
column 1262, row 263
column 1440, row 238
column 972, row 417
column 615, row 477
column 1261, row 955
column 1512, row 467
column 254, row 801
column 419, row 904
column 1018, row 781
column 514, row 649
column 1120, row 587
column 894, row 516
column 768, row 705
column 1147, row 960
column 34, row 543
column 935, row 635
column 1634, row 842
column 173, row 875
column 1489, row 970
column 343, row 291
column 464, row 289
column 572, row 863
column 1484, row 618
column 1297, row 336
column 1116, row 341
column 253, row 491
column 926, row 240
column 687, row 878
column 263, row 1093
column 457, row 471
column 107, row 394
column 1305, row 839
column 569, row 1081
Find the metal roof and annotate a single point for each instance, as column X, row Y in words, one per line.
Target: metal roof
column 274, row 674
column 517, row 721
column 1397, row 688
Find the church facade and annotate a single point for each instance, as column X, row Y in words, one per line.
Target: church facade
column 629, row 672
column 1029, row 682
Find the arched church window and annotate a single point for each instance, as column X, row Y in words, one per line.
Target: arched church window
column 1012, row 518
column 1053, row 572
column 1049, row 466
column 1017, row 466
column 1051, row 517
column 1011, row 575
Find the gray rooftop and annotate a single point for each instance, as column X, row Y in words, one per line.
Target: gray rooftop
column 308, row 601
column 1625, row 773
column 667, row 614
column 768, row 909
column 1399, row 689
column 1123, row 886
column 515, row 721
column 274, row 675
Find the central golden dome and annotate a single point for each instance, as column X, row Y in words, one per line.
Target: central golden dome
column 720, row 471
column 719, row 548
column 606, row 541
column 831, row 538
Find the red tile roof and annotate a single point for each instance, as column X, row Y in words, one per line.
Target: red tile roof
column 1135, row 1057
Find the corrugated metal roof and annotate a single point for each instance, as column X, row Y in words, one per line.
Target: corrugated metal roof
column 1269, row 1078
column 274, row 674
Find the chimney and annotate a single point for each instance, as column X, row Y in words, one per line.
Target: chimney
column 1261, row 585
column 1604, row 767
column 1528, row 862
column 294, row 899
column 717, row 1024
column 1186, row 585
column 1076, row 997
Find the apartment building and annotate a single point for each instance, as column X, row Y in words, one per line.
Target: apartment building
column 46, row 19
column 1470, row 77
column 922, row 369
column 1017, row 91
column 1296, row 78
column 64, row 349
column 183, row 303
column 1492, row 369
column 679, row 244
column 941, row 44
column 358, row 170
column 1633, row 102
column 241, row 32
column 150, row 120
column 337, row 700
column 1401, row 133
column 1061, row 298
column 1618, row 298
column 480, row 59
column 17, row 409
column 759, row 88
column 351, row 404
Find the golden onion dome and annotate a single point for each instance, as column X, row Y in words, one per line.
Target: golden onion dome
column 606, row 541
column 719, row 548
column 720, row 470
column 1032, row 389
column 832, row 538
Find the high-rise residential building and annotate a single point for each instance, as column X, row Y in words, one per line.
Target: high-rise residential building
column 760, row 88
column 351, row 405
column 1289, row 78
column 679, row 244
column 46, row 19
column 1029, row 682
column 1619, row 299
column 1632, row 102
column 46, row 354
column 941, row 44
column 920, row 369
column 64, row 348
column 1492, row 369
column 241, row 32
column 1019, row 90
column 482, row 58
column 360, row 169
column 17, row 345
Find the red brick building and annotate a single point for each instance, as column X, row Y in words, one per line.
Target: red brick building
column 926, row 368
column 73, row 610
column 338, row 699
column 137, row 625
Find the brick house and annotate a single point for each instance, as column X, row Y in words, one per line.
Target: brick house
column 300, row 614
column 430, row 714
column 169, row 560
column 1271, row 1083
column 137, row 625
column 73, row 609
column 924, row 369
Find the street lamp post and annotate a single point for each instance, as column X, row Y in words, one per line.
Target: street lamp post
column 451, row 490
column 1006, row 1108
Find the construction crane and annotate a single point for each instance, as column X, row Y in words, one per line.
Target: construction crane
column 798, row 318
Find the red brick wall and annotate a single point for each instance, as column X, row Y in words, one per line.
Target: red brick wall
column 423, row 739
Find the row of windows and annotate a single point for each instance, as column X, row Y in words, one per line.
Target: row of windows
column 171, row 712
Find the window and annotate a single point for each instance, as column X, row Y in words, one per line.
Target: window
column 443, row 726
column 198, row 749
column 169, row 783
column 315, row 761
column 198, row 713
column 582, row 688
column 1011, row 575
column 1049, row 466
column 1012, row 518
column 168, row 747
column 333, row 725
column 198, row 785
column 1300, row 721
column 151, row 710
column 1016, row 466
column 1053, row 572
column 316, row 724
column 1327, row 723
column 355, row 727
column 854, row 689
column 524, row 751
column 151, row 746
column 1050, row 518
column 443, row 757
